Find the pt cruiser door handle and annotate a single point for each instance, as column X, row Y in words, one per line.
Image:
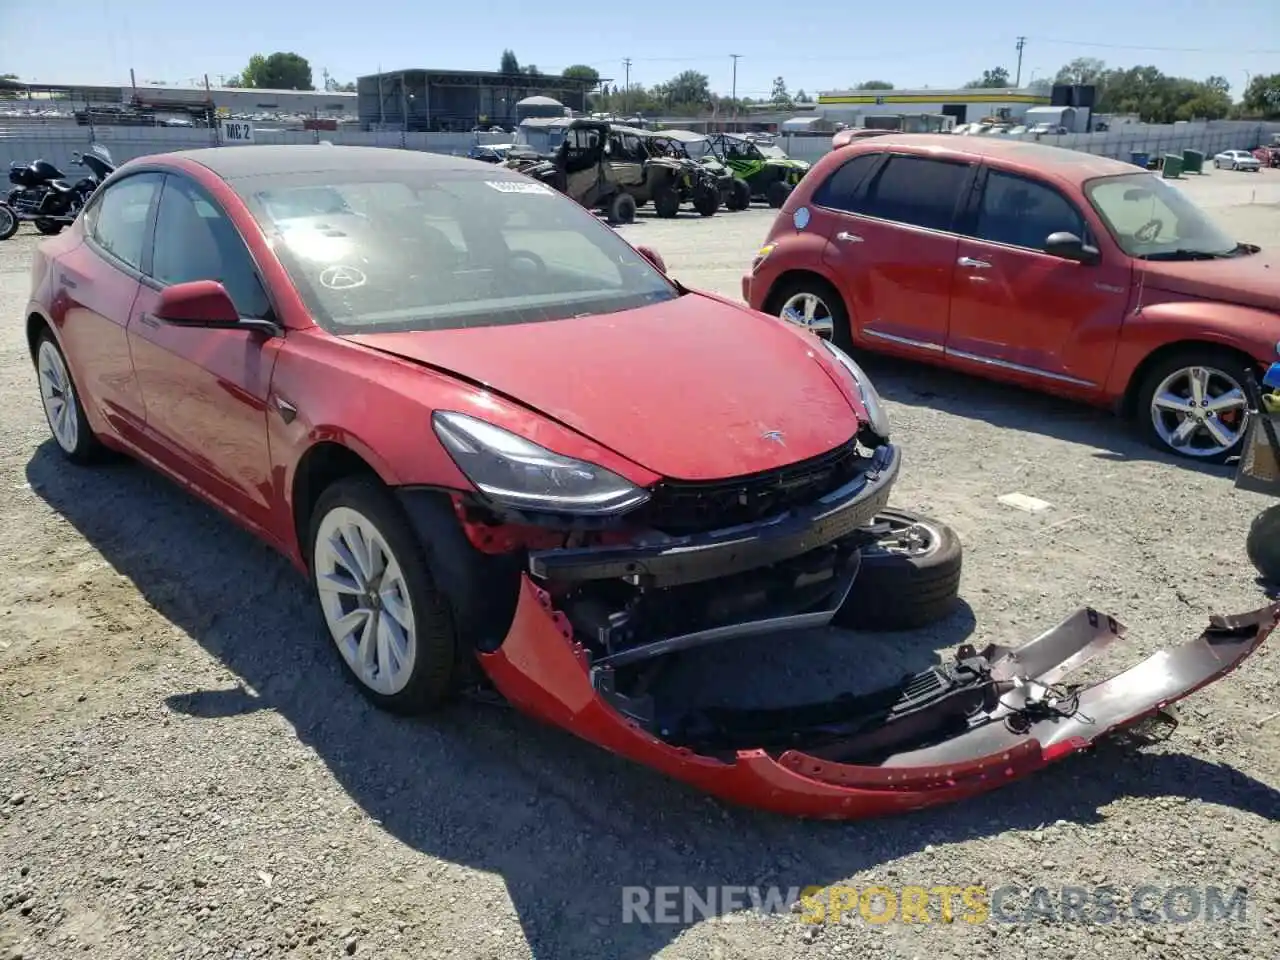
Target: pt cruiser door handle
column 847, row 237
column 970, row 262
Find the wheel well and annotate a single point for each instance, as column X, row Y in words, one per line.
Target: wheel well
column 320, row 467
column 1128, row 404
column 771, row 303
column 36, row 325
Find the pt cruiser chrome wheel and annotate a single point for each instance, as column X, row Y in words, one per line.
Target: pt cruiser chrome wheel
column 59, row 397
column 1199, row 411
column 808, row 310
column 365, row 600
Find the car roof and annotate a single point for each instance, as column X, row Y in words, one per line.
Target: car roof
column 1059, row 161
column 233, row 163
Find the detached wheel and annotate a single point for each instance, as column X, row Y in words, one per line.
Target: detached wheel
column 666, row 202
column 622, row 209
column 1263, row 544
column 8, row 221
column 391, row 627
column 740, row 195
column 909, row 579
column 62, row 407
column 777, row 193
column 1191, row 404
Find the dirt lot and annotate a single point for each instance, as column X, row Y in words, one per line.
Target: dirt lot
column 185, row 773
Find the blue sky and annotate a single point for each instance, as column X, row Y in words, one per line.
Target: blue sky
column 823, row 45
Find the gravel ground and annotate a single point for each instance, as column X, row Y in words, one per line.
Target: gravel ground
column 184, row 772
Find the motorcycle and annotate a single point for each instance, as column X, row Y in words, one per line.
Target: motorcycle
column 43, row 196
column 1259, row 471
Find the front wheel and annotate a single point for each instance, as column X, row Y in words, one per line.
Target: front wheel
column 1263, row 544
column 391, row 627
column 62, row 407
column 815, row 305
column 706, row 201
column 1191, row 403
column 622, row 209
column 909, row 578
column 8, row 221
column 739, row 195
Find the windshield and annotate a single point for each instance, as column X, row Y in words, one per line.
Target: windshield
column 376, row 251
column 1149, row 218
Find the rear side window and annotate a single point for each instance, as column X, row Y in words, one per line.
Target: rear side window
column 1022, row 213
column 118, row 220
column 840, row 190
column 917, row 191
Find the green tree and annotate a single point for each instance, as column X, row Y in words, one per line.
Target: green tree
column 801, row 96
column 8, row 91
column 1082, row 70
column 1262, row 98
column 580, row 71
column 688, row 92
column 509, row 66
column 276, row 71
column 875, row 85
column 780, row 98
column 994, row 79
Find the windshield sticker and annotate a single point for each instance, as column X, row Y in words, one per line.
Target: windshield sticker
column 516, row 186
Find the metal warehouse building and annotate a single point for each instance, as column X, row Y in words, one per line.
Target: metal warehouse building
column 457, row 100
column 967, row 106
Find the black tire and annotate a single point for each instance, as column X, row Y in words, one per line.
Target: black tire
column 666, row 202
column 88, row 449
column 50, row 228
column 1227, row 361
column 777, row 193
column 622, row 209
column 1263, row 544
column 706, row 201
column 740, row 195
column 905, row 591
column 842, row 330
column 8, row 221
column 437, row 661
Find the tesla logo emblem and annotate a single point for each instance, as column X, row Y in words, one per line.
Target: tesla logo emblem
column 773, row 436
column 341, row 278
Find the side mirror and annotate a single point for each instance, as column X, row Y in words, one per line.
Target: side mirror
column 653, row 257
column 1070, row 247
column 206, row 303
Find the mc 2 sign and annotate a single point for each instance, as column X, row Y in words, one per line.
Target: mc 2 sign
column 235, row 131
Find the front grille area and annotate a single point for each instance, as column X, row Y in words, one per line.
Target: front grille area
column 681, row 507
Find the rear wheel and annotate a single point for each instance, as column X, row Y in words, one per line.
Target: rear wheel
column 777, row 193
column 622, row 209
column 909, row 579
column 666, row 202
column 1263, row 544
column 388, row 622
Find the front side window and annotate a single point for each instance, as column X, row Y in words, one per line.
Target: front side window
column 840, row 190
column 1023, row 213
column 1151, row 219
column 195, row 240
column 917, row 191
column 118, row 221
column 402, row 250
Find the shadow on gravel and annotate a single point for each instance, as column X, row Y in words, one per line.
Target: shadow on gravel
column 1016, row 408
column 565, row 825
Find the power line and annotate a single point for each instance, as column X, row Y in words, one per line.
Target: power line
column 1130, row 46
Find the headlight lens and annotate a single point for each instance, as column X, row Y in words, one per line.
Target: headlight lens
column 513, row 471
column 876, row 412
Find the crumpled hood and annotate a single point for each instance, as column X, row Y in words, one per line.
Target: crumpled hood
column 688, row 389
column 1252, row 280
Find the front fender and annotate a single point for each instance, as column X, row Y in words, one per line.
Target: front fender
column 1159, row 322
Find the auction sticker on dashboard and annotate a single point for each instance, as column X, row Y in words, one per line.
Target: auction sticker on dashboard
column 801, row 218
column 341, row 278
column 515, row 186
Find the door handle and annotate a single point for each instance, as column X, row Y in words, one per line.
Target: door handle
column 846, row 237
column 148, row 320
column 975, row 264
column 66, row 281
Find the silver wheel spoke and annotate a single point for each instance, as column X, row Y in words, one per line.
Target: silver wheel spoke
column 1199, row 385
column 352, row 623
column 1231, row 400
column 1219, row 432
column 1186, row 430
column 394, row 606
column 810, row 307
column 1170, row 401
column 338, row 543
column 339, row 583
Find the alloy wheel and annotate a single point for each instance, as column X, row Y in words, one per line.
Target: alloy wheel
column 1199, row 411
column 916, row 538
column 365, row 600
column 59, row 397
column 810, row 311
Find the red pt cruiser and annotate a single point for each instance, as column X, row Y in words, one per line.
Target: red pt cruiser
column 1054, row 269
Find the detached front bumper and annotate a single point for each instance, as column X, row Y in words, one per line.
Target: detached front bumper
column 541, row 669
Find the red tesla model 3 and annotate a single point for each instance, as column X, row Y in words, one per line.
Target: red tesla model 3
column 506, row 449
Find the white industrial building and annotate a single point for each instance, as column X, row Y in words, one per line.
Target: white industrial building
column 852, row 107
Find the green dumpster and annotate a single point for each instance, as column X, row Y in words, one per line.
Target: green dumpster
column 1172, row 167
column 1192, row 161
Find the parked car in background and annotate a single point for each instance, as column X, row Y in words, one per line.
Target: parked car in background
column 1236, row 160
column 1050, row 268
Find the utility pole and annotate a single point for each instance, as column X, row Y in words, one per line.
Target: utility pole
column 626, row 91
column 1022, row 42
column 733, row 95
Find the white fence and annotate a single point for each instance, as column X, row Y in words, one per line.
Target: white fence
column 56, row 142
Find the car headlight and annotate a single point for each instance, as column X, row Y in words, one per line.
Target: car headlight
column 876, row 412
column 518, row 473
